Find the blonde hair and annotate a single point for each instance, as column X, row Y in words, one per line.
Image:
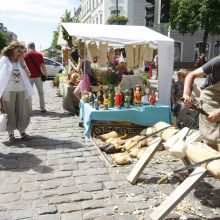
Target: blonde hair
column 182, row 72
column 8, row 51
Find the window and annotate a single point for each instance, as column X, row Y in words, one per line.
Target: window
column 197, row 51
column 177, row 51
column 97, row 20
column 217, row 48
column 100, row 18
column 114, row 12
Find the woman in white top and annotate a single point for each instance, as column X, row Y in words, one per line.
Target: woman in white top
column 15, row 90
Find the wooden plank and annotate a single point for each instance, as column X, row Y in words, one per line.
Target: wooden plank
column 178, row 194
column 143, row 161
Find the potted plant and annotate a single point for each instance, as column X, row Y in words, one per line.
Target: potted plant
column 114, row 19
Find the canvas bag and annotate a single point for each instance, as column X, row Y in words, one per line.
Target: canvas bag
column 3, row 118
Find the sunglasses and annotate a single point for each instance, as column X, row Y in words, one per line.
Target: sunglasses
column 18, row 50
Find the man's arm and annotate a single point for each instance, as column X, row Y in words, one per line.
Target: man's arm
column 189, row 84
column 214, row 116
column 43, row 67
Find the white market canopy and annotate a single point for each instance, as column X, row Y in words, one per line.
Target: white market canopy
column 125, row 34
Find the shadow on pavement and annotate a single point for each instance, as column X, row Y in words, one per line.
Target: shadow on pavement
column 41, row 142
column 208, row 195
column 51, row 114
column 18, row 162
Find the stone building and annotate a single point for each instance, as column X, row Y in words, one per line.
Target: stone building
column 186, row 46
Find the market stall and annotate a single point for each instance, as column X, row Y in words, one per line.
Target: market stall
column 132, row 35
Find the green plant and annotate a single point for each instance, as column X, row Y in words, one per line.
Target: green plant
column 114, row 19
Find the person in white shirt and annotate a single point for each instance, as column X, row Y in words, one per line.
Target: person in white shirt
column 15, row 90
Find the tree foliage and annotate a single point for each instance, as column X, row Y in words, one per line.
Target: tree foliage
column 187, row 16
column 55, row 39
column 3, row 40
column 67, row 17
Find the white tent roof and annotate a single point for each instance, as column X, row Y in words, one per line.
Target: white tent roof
column 125, row 34
column 122, row 34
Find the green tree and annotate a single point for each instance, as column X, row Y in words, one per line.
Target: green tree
column 67, row 17
column 187, row 16
column 3, row 41
column 55, row 39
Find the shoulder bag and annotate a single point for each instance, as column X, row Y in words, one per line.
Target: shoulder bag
column 43, row 76
column 3, row 118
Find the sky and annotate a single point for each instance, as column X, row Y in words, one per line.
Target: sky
column 34, row 20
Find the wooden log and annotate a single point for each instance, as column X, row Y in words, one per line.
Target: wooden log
column 199, row 151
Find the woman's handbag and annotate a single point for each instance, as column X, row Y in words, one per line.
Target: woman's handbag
column 43, row 77
column 3, row 118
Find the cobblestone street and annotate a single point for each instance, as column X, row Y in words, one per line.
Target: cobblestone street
column 60, row 175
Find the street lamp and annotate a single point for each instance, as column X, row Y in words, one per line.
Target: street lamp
column 117, row 7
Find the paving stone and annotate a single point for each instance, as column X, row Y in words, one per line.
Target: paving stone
column 31, row 186
column 99, row 178
column 91, row 187
column 64, row 161
column 102, row 194
column 110, row 184
column 67, row 167
column 62, row 174
column 79, row 159
column 10, row 188
column 9, row 197
column 79, row 173
column 11, row 180
column 105, row 218
column 68, row 190
column 68, row 181
column 42, row 202
column 19, row 205
column 50, row 209
column 48, row 193
column 93, row 159
column 31, row 195
column 44, row 177
column 72, row 216
column 141, row 205
column 82, row 179
column 50, row 184
column 93, row 204
column 126, row 217
column 60, row 199
column 84, row 166
column 69, row 207
column 23, row 214
column 96, row 171
column 5, row 216
column 81, row 196
column 49, row 217
column 101, row 212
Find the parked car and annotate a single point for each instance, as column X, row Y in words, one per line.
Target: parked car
column 52, row 67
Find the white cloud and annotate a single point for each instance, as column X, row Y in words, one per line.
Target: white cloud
column 45, row 11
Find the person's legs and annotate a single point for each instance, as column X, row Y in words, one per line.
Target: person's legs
column 22, row 111
column 39, row 85
column 9, row 107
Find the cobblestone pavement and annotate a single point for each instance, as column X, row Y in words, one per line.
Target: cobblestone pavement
column 60, row 175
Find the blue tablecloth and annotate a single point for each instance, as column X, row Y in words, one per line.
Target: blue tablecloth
column 146, row 115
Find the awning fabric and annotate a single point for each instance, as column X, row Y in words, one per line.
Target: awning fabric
column 125, row 34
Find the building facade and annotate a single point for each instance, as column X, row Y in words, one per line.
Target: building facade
column 186, row 46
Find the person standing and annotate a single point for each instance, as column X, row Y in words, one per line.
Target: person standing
column 35, row 64
column 15, row 90
column 210, row 100
column 155, row 62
